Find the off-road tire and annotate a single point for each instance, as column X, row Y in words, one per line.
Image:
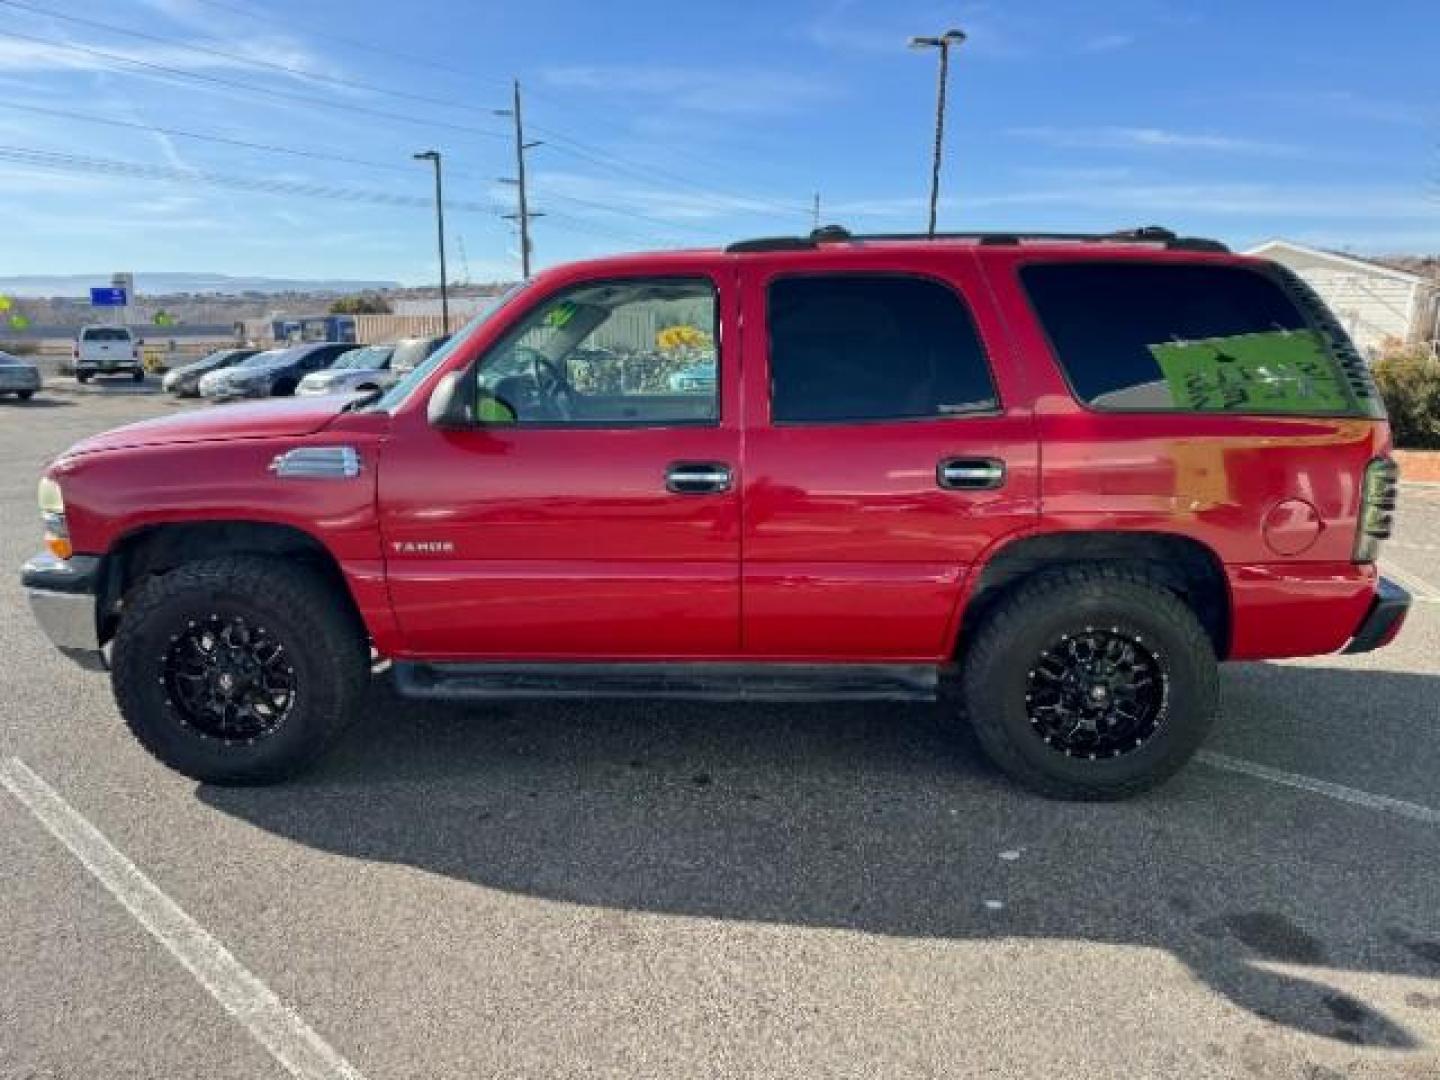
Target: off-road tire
column 997, row 664
column 322, row 637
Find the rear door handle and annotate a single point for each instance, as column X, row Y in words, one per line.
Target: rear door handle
column 697, row 477
column 970, row 474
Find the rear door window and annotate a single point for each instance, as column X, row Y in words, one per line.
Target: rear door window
column 865, row 347
column 1194, row 338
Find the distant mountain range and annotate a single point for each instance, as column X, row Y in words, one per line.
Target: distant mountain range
column 171, row 282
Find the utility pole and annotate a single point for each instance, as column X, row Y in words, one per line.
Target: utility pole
column 815, row 214
column 524, row 214
column 943, row 43
column 433, row 156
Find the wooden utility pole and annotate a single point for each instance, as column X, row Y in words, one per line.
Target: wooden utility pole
column 523, row 214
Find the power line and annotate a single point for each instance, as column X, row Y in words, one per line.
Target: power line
column 315, row 155
column 429, row 62
column 718, row 199
column 179, row 133
column 577, row 147
column 84, row 164
column 249, row 61
column 196, row 76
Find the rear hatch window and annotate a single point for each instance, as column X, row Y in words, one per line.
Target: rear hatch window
column 1173, row 337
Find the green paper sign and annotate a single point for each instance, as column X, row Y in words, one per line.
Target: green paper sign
column 1271, row 372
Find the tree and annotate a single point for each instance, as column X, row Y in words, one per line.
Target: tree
column 361, row 304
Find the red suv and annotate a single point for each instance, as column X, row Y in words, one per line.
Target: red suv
column 1061, row 474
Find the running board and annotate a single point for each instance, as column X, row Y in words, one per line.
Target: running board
column 674, row 681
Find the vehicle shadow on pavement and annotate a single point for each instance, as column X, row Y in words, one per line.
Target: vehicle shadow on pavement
column 884, row 819
column 36, row 403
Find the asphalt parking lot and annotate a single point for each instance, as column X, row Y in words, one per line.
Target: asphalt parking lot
column 679, row 891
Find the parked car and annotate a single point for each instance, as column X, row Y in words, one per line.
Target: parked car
column 107, row 350
column 184, row 381
column 410, row 353
column 361, row 369
column 273, row 373
column 18, row 377
column 1062, row 475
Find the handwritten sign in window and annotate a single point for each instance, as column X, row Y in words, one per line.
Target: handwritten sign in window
column 1269, row 372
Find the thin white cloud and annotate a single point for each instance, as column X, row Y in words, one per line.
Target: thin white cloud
column 724, row 92
column 1145, row 138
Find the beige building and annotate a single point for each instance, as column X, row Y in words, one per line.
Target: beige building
column 1378, row 304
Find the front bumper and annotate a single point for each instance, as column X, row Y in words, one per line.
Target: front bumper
column 62, row 595
column 235, row 392
column 1384, row 619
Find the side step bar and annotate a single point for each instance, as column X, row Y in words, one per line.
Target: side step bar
column 674, row 681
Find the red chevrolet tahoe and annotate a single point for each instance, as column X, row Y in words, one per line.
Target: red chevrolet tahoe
column 1064, row 475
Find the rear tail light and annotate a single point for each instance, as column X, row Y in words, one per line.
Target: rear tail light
column 1378, row 495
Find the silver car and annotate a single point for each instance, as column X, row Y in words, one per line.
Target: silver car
column 363, row 369
column 18, row 377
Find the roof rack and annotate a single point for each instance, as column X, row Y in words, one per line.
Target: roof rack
column 836, row 234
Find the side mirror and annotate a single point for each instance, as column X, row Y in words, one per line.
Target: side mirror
column 452, row 402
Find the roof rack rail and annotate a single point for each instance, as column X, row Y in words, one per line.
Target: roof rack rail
column 830, row 234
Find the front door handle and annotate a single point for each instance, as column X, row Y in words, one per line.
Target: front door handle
column 697, row 477
column 970, row 474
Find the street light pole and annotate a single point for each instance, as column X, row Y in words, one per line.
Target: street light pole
column 942, row 43
column 433, row 156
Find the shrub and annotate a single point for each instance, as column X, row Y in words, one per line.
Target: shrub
column 1409, row 381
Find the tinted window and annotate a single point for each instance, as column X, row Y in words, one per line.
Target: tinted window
column 106, row 333
column 1188, row 337
column 627, row 351
column 853, row 347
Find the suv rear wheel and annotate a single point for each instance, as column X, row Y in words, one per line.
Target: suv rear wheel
column 1091, row 682
column 237, row 670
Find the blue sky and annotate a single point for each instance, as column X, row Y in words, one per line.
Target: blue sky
column 670, row 123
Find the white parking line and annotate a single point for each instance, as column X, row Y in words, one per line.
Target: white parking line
column 273, row 1024
column 1413, row 811
column 1422, row 589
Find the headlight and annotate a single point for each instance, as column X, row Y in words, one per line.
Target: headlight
column 52, row 513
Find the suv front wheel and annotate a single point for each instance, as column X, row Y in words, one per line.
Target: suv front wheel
column 238, row 670
column 1090, row 682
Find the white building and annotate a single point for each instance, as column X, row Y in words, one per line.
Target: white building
column 1378, row 304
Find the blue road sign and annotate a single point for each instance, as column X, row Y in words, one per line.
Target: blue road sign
column 108, row 297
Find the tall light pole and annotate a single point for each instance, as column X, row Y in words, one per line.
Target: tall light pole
column 943, row 43
column 433, row 156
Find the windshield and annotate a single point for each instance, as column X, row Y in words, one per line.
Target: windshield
column 402, row 389
column 263, row 359
column 372, row 356
column 411, row 351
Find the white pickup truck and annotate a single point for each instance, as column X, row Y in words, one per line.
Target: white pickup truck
column 107, row 350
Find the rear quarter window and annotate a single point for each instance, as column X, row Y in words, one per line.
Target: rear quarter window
column 1136, row 336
